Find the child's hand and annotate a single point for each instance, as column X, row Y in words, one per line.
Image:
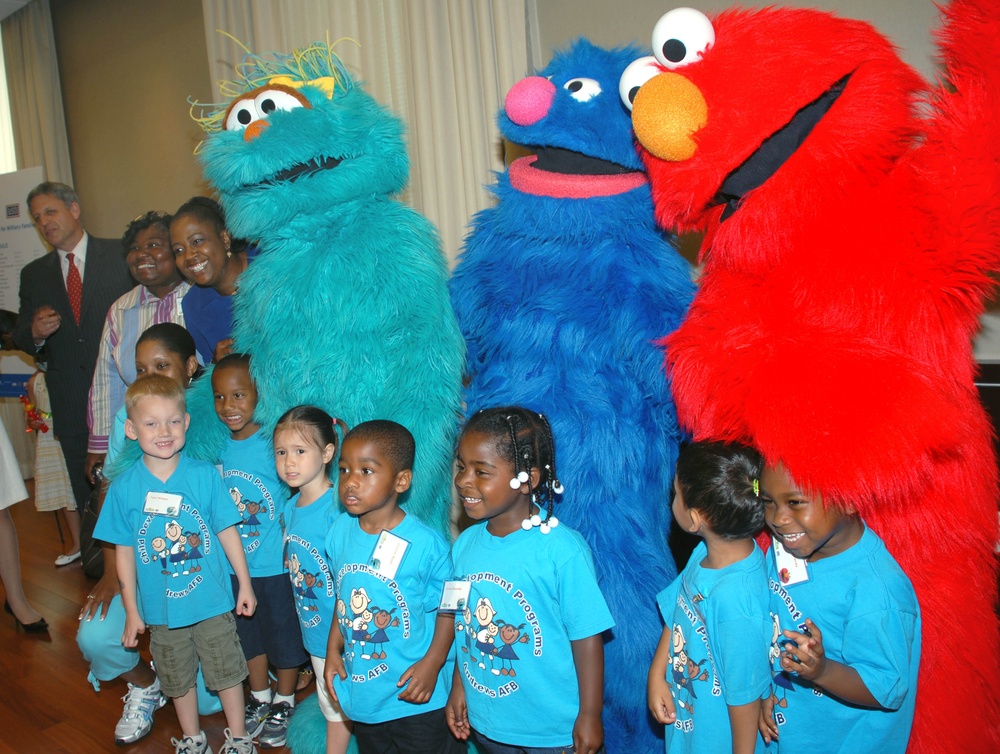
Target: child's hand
column 246, row 601
column 808, row 658
column 588, row 733
column 768, row 727
column 134, row 625
column 660, row 700
column 456, row 712
column 334, row 667
column 422, row 679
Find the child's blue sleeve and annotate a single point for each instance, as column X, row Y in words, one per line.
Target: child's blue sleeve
column 224, row 513
column 883, row 647
column 584, row 611
column 438, row 569
column 112, row 525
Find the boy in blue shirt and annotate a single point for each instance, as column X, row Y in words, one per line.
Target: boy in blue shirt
column 387, row 654
column 170, row 517
column 271, row 636
column 846, row 648
column 710, row 668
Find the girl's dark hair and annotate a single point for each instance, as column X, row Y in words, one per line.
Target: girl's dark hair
column 722, row 482
column 205, row 209
column 173, row 336
column 315, row 424
column 210, row 212
column 525, row 439
column 142, row 222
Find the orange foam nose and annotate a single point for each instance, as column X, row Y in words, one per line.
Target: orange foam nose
column 255, row 129
column 668, row 110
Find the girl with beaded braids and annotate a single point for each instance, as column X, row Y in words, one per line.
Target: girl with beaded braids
column 522, row 567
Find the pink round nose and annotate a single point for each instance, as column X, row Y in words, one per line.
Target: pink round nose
column 529, row 100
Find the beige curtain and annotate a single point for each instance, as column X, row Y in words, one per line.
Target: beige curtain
column 443, row 66
column 36, row 105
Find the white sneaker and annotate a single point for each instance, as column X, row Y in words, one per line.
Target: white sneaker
column 237, row 745
column 188, row 745
column 137, row 717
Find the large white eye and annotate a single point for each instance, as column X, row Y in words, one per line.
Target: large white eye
column 582, row 90
column 270, row 100
column 681, row 36
column 242, row 113
column 264, row 101
column 638, row 73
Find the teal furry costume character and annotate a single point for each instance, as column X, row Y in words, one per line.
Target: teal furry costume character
column 346, row 305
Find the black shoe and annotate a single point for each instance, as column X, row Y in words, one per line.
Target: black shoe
column 40, row 626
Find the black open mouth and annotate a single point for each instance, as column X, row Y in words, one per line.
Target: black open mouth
column 304, row 168
column 567, row 162
column 775, row 150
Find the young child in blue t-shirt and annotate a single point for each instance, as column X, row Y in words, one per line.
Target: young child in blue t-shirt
column 305, row 443
column 533, row 678
column 270, row 636
column 846, row 639
column 710, row 668
column 170, row 519
column 386, row 659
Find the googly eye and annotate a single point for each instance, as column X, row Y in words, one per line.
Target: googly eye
column 270, row 100
column 638, row 73
column 681, row 36
column 241, row 114
column 582, row 90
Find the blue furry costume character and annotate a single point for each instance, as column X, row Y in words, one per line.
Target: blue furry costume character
column 561, row 292
column 346, row 305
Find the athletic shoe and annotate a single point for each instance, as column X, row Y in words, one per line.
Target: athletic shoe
column 237, row 745
column 276, row 727
column 137, row 717
column 256, row 714
column 188, row 745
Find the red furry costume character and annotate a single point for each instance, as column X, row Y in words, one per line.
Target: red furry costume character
column 851, row 217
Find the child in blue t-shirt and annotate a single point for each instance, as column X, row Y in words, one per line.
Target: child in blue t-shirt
column 270, row 636
column 305, row 443
column 386, row 659
column 846, row 639
column 710, row 668
column 170, row 520
column 533, row 678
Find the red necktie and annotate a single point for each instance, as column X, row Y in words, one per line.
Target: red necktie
column 74, row 287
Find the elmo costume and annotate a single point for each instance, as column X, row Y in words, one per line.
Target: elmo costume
column 851, row 214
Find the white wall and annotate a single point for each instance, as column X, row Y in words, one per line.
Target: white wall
column 908, row 23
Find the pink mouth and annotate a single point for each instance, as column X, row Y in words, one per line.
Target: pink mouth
column 529, row 180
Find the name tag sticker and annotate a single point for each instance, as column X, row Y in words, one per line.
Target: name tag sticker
column 388, row 554
column 791, row 570
column 162, row 504
column 454, row 596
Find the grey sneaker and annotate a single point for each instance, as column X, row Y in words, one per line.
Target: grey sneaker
column 276, row 727
column 256, row 715
column 188, row 745
column 237, row 745
column 137, row 717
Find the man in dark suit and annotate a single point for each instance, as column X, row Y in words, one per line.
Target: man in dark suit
column 65, row 297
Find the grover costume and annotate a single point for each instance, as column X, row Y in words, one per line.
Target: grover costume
column 851, row 217
column 561, row 291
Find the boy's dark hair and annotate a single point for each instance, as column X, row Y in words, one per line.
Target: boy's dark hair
column 722, row 482
column 393, row 440
column 525, row 438
column 143, row 221
column 234, row 360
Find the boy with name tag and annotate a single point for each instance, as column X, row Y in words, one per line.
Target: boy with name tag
column 846, row 640
column 173, row 525
column 387, row 656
